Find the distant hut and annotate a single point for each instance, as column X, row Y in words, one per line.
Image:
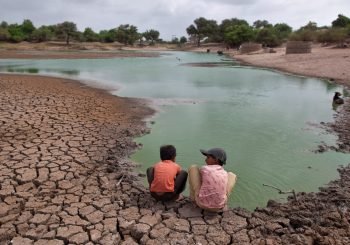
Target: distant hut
column 298, row 47
column 250, row 47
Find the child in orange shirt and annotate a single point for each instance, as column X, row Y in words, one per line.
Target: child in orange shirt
column 165, row 178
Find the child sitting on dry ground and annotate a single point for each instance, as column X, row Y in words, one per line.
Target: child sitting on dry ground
column 165, row 178
column 211, row 185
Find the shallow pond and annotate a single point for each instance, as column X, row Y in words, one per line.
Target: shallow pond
column 268, row 122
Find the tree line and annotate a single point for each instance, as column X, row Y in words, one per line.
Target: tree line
column 126, row 34
column 231, row 32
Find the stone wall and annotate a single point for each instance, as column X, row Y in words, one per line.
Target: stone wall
column 298, row 47
column 250, row 47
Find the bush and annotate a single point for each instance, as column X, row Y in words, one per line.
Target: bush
column 333, row 35
column 4, row 34
column 42, row 34
column 303, row 35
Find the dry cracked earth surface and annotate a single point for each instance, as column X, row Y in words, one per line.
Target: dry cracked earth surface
column 65, row 178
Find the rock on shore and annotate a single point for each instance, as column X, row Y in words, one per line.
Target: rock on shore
column 65, row 179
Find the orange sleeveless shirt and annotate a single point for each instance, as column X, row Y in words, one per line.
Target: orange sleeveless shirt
column 164, row 176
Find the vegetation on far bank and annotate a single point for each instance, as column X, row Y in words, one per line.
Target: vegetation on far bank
column 230, row 32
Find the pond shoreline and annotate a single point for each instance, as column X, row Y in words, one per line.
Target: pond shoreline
column 67, row 178
column 324, row 63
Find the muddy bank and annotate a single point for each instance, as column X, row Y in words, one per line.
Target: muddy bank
column 342, row 127
column 16, row 54
column 323, row 62
column 65, row 179
column 79, row 50
column 63, row 147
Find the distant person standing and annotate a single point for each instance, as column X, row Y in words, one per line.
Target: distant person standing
column 211, row 185
column 166, row 179
column 337, row 99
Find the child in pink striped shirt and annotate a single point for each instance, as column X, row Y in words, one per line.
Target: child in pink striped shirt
column 211, row 185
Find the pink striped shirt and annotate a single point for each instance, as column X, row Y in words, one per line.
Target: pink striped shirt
column 212, row 193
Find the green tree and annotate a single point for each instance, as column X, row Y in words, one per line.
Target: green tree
column 226, row 23
column 183, row 40
column 339, row 36
column 151, row 35
column 282, row 31
column 229, row 23
column 140, row 38
column 16, row 33
column 4, row 34
column 27, row 28
column 53, row 28
column 333, row 35
column 311, row 26
column 79, row 36
column 4, row 24
column 42, row 34
column 259, row 24
column 107, row 36
column 325, row 36
column 175, row 40
column 305, row 33
column 267, row 37
column 236, row 35
column 127, row 34
column 341, row 21
column 67, row 30
column 89, row 35
column 201, row 29
column 193, row 33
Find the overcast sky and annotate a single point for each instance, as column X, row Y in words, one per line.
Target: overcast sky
column 169, row 17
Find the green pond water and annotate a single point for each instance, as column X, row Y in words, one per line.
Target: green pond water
column 268, row 122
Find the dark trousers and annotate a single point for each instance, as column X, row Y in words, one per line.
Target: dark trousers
column 180, row 185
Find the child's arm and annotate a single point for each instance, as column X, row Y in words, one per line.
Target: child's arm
column 178, row 169
column 231, row 181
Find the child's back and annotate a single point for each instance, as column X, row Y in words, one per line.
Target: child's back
column 166, row 179
column 164, row 176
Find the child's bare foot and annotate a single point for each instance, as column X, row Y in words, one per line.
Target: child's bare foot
column 225, row 208
column 179, row 198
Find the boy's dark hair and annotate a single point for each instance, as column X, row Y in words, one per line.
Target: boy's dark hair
column 167, row 152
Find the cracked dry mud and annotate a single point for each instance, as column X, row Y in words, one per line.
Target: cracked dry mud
column 65, row 178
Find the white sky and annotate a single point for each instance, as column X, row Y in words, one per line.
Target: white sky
column 169, row 17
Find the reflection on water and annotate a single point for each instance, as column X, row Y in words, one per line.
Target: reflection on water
column 68, row 72
column 266, row 121
column 210, row 64
column 26, row 70
column 36, row 70
column 163, row 102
